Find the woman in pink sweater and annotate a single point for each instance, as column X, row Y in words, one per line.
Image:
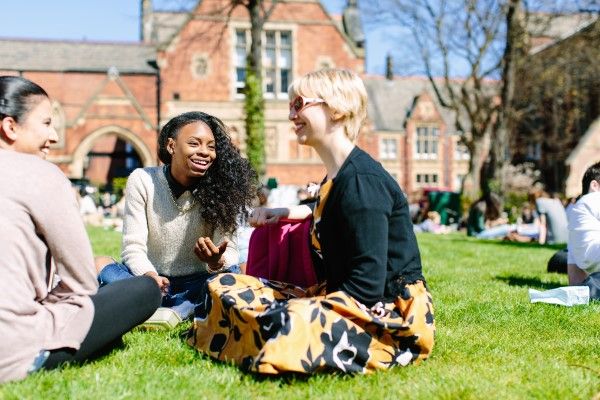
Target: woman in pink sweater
column 51, row 311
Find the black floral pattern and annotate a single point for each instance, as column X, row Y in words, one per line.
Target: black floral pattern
column 269, row 330
column 274, row 321
column 346, row 349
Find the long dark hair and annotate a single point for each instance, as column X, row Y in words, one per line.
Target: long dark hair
column 227, row 189
column 18, row 96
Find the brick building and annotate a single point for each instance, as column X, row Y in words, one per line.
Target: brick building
column 111, row 98
column 104, row 98
column 559, row 91
column 417, row 138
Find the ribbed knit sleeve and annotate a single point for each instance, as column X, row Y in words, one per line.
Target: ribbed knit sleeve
column 159, row 232
column 135, row 225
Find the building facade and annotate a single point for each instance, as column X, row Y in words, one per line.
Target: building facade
column 558, row 101
column 112, row 98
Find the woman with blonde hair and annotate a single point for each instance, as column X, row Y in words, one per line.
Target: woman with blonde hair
column 371, row 309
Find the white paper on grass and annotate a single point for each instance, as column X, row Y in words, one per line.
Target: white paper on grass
column 562, row 296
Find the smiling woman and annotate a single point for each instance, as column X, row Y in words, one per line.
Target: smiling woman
column 26, row 115
column 371, row 309
column 178, row 217
column 51, row 312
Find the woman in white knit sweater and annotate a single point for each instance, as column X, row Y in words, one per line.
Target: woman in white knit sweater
column 178, row 216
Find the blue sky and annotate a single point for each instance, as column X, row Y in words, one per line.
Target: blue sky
column 118, row 20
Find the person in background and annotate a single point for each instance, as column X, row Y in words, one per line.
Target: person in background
column 486, row 219
column 584, row 232
column 553, row 217
column 432, row 224
column 179, row 217
column 527, row 228
column 51, row 311
column 372, row 305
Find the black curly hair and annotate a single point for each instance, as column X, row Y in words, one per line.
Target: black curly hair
column 227, row 189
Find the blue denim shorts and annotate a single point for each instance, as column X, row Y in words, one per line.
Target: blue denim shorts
column 183, row 293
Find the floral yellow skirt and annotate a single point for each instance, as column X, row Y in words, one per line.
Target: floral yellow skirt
column 270, row 327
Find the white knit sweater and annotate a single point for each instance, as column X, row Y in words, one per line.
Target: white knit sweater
column 157, row 236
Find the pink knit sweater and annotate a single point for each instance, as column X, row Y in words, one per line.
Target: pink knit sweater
column 41, row 231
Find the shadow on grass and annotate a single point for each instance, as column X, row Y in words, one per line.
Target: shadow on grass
column 527, row 281
column 524, row 245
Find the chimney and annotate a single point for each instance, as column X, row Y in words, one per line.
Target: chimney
column 146, row 19
column 352, row 23
column 389, row 69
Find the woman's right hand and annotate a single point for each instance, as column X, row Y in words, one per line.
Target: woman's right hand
column 262, row 215
column 163, row 283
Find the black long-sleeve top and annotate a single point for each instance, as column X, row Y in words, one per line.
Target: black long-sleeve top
column 367, row 242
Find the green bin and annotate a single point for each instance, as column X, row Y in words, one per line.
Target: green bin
column 447, row 204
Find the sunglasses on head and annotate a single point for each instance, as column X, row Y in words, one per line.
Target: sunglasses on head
column 300, row 102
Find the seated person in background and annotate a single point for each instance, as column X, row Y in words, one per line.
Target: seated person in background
column 179, row 216
column 527, row 228
column 485, row 220
column 414, row 206
column 46, row 321
column 88, row 209
column 553, row 217
column 584, row 229
column 432, row 224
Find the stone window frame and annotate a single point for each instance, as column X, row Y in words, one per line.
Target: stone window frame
column 279, row 92
column 427, row 142
column 388, row 148
column 427, row 179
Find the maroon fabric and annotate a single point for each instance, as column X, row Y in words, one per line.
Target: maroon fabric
column 281, row 252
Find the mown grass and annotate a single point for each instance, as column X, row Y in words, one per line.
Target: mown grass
column 491, row 343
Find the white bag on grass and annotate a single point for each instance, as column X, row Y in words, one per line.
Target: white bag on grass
column 562, row 296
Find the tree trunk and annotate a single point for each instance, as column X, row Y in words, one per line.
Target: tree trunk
column 512, row 51
column 256, row 26
column 254, row 104
column 473, row 184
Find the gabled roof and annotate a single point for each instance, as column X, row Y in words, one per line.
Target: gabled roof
column 548, row 29
column 62, row 56
column 391, row 102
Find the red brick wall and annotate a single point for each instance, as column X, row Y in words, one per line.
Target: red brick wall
column 206, row 34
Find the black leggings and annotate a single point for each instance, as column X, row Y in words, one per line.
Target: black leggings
column 119, row 307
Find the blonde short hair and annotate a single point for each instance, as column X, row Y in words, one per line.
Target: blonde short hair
column 343, row 91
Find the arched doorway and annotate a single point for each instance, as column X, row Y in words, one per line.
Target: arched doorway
column 107, row 153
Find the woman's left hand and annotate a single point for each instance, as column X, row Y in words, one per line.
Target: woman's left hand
column 211, row 254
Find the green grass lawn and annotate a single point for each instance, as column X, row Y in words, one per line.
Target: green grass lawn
column 491, row 343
